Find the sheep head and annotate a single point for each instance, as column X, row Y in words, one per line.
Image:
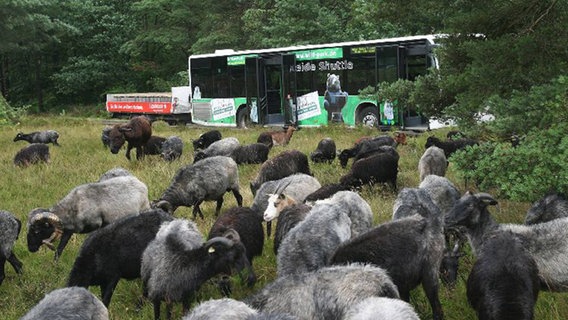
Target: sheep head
column 469, row 210
column 116, row 139
column 227, row 253
column 43, row 228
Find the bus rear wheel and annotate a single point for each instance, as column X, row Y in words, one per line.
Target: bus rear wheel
column 242, row 119
column 369, row 117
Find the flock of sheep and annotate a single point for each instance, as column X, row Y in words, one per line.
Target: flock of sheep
column 331, row 261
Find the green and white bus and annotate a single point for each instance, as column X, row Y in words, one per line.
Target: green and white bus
column 310, row 85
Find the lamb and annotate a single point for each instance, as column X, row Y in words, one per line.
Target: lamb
column 282, row 165
column 9, row 230
column 279, row 138
column 381, row 308
column 325, row 294
column 552, row 206
column 206, row 139
column 68, row 304
column 45, row 137
column 177, row 262
column 251, row 153
column 410, row 249
column 289, row 217
column 273, row 196
column 205, row 180
column 311, row 243
column 503, row 283
column 172, row 148
column 546, row 242
column 223, row 147
column 86, row 208
column 136, row 132
column 32, row 154
column 325, row 151
column 449, row 146
column 433, row 161
column 382, row 167
column 115, row 252
column 248, row 224
column 154, row 145
column 365, row 148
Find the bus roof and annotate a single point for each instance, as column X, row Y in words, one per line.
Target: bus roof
column 229, row 52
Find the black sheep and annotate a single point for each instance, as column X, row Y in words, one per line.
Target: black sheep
column 382, row 167
column 325, row 192
column 154, row 145
column 32, row 154
column 282, row 165
column 449, row 146
column 248, row 224
column 365, row 148
column 325, row 151
column 504, row 282
column 266, row 138
column 115, row 252
column 206, row 139
column 251, row 153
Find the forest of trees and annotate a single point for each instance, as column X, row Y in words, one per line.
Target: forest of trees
column 509, row 58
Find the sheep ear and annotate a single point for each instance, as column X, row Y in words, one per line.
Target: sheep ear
column 125, row 129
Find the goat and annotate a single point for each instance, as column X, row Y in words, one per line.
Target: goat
column 281, row 138
column 136, row 133
column 205, row 180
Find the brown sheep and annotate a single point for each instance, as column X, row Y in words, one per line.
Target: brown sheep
column 136, row 132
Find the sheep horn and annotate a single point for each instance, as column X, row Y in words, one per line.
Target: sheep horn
column 281, row 187
column 164, row 205
column 486, row 198
column 221, row 240
column 232, row 234
column 53, row 220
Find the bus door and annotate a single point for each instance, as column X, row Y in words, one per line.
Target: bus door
column 390, row 66
column 256, row 89
column 289, row 89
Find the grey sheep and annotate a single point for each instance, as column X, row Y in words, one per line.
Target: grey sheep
column 503, row 282
column 251, row 153
column 32, row 154
column 177, row 262
column 325, row 294
column 115, row 252
column 114, row 172
column 221, row 309
column 288, row 219
column 47, row 136
column 223, row 147
column 442, row 191
column 325, row 151
column 282, row 165
column 206, row 139
column 381, row 308
column 358, row 210
column 206, row 180
column 136, row 133
column 546, row 242
column 274, row 195
column 172, row 148
column 9, row 230
column 551, row 206
column 310, row 244
column 433, row 161
column 410, row 249
column 86, row 208
column 68, row 304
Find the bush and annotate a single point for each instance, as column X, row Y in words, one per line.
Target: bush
column 9, row 115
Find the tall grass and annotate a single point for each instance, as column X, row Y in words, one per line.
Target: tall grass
column 82, row 159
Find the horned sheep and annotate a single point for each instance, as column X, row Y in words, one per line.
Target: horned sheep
column 177, row 263
column 325, row 294
column 205, row 180
column 115, row 252
column 136, row 133
column 86, row 208
column 45, row 137
column 546, row 242
column 282, row 165
column 32, row 154
column 68, row 304
column 10, row 229
column 223, row 147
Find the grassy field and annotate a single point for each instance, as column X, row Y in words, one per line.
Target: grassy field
column 82, row 159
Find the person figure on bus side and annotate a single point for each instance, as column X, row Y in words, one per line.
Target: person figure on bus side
column 388, row 111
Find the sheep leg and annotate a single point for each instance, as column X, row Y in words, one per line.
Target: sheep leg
column 128, row 148
column 16, row 264
column 156, row 303
column 2, row 274
column 62, row 243
column 197, row 210
column 268, row 228
column 107, row 290
column 219, row 205
column 140, row 153
column 238, row 197
column 430, row 286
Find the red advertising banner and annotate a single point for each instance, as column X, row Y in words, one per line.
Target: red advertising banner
column 139, row 107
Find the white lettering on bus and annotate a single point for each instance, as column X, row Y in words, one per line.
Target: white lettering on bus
column 322, row 66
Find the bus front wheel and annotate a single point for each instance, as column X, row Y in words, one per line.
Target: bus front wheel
column 369, row 117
